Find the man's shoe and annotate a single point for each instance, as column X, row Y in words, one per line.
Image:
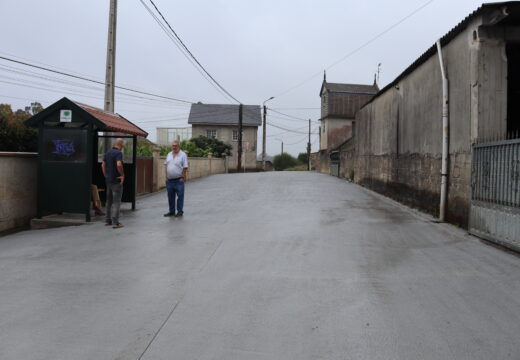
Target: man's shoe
column 169, row 214
column 117, row 226
column 108, row 223
column 179, row 214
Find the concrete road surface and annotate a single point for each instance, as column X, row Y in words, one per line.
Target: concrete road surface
column 264, row 266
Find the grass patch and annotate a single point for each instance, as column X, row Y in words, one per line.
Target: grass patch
column 297, row 168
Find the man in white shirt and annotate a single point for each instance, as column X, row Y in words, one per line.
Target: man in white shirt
column 176, row 166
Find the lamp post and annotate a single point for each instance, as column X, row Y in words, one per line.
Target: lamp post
column 264, row 132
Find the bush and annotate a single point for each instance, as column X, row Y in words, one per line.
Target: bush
column 303, row 158
column 144, row 148
column 284, row 161
column 201, row 147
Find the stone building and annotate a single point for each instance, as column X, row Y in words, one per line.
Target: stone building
column 220, row 121
column 397, row 146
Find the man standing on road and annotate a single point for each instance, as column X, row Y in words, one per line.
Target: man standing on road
column 114, row 173
column 176, row 166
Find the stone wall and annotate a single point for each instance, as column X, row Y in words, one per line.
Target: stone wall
column 198, row 167
column 320, row 162
column 398, row 143
column 18, row 189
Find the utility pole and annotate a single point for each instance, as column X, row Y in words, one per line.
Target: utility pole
column 239, row 163
column 111, row 58
column 264, row 132
column 309, row 148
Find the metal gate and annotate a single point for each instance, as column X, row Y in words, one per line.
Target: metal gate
column 495, row 192
column 144, row 175
column 334, row 163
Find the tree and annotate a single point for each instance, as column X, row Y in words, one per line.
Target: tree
column 284, row 161
column 303, row 158
column 34, row 109
column 14, row 135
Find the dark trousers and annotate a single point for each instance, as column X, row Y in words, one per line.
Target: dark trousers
column 175, row 190
column 114, row 194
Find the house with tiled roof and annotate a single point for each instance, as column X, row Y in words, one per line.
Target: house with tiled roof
column 220, row 121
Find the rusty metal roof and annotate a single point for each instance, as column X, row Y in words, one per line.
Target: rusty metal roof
column 102, row 120
column 113, row 122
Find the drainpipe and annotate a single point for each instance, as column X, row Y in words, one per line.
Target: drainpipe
column 445, row 135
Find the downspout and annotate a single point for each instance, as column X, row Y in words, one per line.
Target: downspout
column 445, row 135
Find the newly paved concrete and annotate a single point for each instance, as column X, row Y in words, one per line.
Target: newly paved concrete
column 263, row 266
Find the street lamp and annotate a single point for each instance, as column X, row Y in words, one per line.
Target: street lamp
column 264, row 132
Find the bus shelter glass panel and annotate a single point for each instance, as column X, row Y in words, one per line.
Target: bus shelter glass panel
column 65, row 145
column 107, row 143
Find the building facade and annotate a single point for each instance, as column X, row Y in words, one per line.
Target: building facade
column 398, row 142
column 339, row 104
column 221, row 122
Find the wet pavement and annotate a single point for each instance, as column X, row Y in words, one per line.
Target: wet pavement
column 290, row 265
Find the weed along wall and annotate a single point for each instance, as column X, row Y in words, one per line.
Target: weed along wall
column 18, row 189
column 398, row 143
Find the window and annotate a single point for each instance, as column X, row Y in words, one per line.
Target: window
column 211, row 133
column 235, row 135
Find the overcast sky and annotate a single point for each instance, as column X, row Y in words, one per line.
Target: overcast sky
column 254, row 49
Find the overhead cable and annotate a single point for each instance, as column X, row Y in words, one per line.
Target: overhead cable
column 189, row 52
column 92, row 81
column 365, row 44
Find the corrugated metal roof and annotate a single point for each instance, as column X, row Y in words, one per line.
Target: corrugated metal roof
column 460, row 27
column 224, row 114
column 113, row 122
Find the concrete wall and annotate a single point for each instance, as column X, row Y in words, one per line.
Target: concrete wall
column 18, row 189
column 225, row 134
column 398, row 145
column 198, row 167
column 337, row 131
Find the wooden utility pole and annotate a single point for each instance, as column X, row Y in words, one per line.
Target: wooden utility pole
column 111, row 58
column 239, row 164
column 309, row 148
column 264, row 130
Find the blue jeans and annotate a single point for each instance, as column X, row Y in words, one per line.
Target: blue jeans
column 175, row 188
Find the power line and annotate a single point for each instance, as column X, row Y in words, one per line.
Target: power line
column 290, row 116
column 189, row 52
column 147, row 100
column 289, row 130
column 365, row 44
column 91, row 80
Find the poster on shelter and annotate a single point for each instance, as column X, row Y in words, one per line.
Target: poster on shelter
column 65, row 145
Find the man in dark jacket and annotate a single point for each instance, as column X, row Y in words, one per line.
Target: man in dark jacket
column 114, row 173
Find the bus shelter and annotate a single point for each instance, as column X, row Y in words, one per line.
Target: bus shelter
column 72, row 139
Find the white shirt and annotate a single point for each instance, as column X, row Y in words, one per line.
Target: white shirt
column 175, row 164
